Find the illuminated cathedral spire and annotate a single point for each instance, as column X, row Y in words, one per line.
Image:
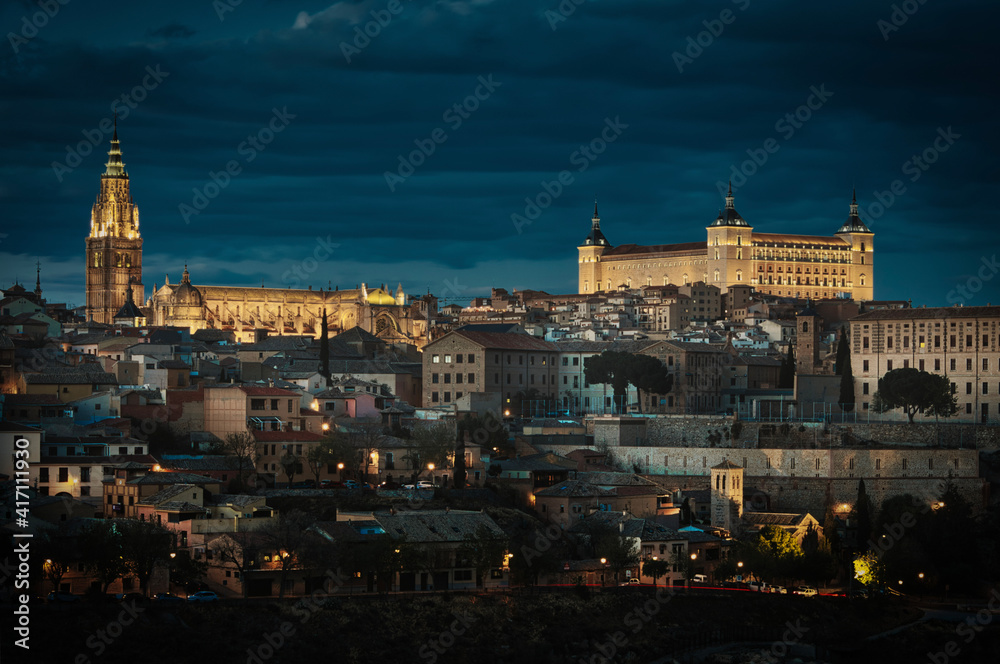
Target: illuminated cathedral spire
column 115, row 167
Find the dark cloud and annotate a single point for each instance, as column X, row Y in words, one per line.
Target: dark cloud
column 172, row 31
column 324, row 174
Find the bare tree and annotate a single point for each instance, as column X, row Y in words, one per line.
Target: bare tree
column 241, row 549
column 244, row 447
column 367, row 435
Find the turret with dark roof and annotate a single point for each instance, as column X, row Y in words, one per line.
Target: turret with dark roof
column 729, row 216
column 854, row 223
column 596, row 237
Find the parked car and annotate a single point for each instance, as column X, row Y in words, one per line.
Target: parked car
column 167, row 599
column 330, row 484
column 631, row 582
column 805, row 591
column 389, row 485
column 58, row 596
column 350, row 484
column 305, row 484
column 700, row 578
column 858, row 593
column 203, row 596
column 779, row 590
column 759, row 586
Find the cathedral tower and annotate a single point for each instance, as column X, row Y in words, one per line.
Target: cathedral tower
column 114, row 248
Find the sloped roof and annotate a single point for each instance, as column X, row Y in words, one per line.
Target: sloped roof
column 71, row 377
column 166, row 494
column 777, row 519
column 929, row 312
column 172, row 478
column 574, row 489
column 436, row 525
column 210, row 462
column 635, row 250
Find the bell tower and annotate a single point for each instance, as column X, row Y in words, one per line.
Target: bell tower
column 114, row 247
column 727, row 496
column 590, row 253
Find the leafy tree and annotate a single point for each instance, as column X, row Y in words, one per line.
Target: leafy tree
column 430, row 444
column 241, row 549
column 619, row 551
column 620, row 369
column 101, row 547
column 289, row 539
column 144, row 545
column 863, row 513
column 777, row 553
column 187, row 572
column 244, row 447
column 486, row 431
column 915, row 392
column 58, row 553
column 869, row 571
column 484, row 550
column 786, row 375
column 656, row 569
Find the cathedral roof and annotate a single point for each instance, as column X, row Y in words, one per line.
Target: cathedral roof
column 186, row 294
column 854, row 223
column 379, row 296
column 115, row 167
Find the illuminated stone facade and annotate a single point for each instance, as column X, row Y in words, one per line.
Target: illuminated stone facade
column 114, row 247
column 114, row 258
column 804, row 266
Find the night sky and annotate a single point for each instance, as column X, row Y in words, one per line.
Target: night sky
column 672, row 108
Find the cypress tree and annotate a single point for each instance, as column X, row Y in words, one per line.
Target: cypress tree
column 324, row 349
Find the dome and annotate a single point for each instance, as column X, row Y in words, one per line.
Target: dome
column 186, row 294
column 379, row 296
column 729, row 216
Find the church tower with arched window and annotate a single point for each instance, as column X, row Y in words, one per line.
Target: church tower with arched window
column 114, row 247
column 727, row 496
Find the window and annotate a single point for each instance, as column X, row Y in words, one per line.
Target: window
column 986, row 389
column 274, row 404
column 937, row 365
column 968, row 364
column 256, row 404
column 865, row 365
column 986, row 364
column 921, row 365
column 43, row 475
column 447, row 359
column 447, row 378
column 434, row 378
column 447, row 397
column 458, row 358
column 435, row 359
column 952, row 364
column 64, row 474
column 85, row 474
column 434, row 397
column 888, row 365
column 472, row 378
column 864, row 388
